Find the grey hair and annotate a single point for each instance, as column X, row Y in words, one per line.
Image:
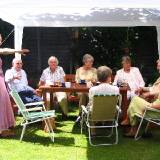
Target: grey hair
column 126, row 59
column 86, row 57
column 103, row 72
column 15, row 60
column 53, row 57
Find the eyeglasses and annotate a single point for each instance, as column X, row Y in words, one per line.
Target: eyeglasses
column 19, row 63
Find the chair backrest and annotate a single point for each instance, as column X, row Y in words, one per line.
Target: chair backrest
column 104, row 107
column 19, row 103
column 70, row 77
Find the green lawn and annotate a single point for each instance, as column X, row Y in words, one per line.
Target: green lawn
column 71, row 145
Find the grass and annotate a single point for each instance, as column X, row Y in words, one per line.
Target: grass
column 71, row 145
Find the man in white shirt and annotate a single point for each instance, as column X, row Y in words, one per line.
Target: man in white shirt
column 55, row 74
column 104, row 75
column 16, row 79
column 129, row 76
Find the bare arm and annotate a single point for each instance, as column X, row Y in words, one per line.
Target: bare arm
column 156, row 106
column 41, row 83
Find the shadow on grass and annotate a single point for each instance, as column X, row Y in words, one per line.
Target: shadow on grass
column 34, row 134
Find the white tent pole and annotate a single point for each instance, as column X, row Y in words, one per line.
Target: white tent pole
column 18, row 35
column 158, row 39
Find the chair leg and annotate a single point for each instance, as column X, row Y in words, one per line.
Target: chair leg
column 82, row 118
column 89, row 134
column 50, row 129
column 136, row 135
column 147, row 127
column 23, row 131
column 116, row 135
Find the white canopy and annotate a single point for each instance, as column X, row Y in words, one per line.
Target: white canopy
column 73, row 13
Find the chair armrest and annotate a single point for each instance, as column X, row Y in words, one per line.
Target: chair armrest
column 152, row 109
column 84, row 109
column 33, row 109
column 34, row 103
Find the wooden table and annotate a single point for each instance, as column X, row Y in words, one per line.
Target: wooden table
column 82, row 88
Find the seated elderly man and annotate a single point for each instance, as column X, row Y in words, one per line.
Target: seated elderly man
column 154, row 90
column 16, row 79
column 54, row 74
column 104, row 75
column 130, row 77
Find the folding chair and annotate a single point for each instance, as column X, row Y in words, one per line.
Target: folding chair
column 105, row 109
column 35, row 114
column 151, row 115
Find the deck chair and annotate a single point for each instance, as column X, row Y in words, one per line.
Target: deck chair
column 105, row 109
column 32, row 115
column 151, row 115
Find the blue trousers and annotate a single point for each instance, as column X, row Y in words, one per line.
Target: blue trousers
column 29, row 97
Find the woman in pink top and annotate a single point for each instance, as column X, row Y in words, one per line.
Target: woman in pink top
column 6, row 113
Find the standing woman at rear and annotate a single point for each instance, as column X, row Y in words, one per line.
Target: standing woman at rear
column 7, row 120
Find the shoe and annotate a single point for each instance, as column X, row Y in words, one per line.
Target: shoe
column 129, row 134
column 78, row 119
column 7, row 133
column 64, row 116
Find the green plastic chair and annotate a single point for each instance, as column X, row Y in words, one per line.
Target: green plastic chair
column 105, row 109
column 151, row 115
column 35, row 114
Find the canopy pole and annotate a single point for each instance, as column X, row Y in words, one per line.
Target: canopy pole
column 18, row 35
column 158, row 39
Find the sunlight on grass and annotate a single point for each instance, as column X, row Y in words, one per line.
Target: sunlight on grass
column 71, row 145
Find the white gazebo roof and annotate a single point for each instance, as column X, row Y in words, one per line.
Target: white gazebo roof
column 72, row 13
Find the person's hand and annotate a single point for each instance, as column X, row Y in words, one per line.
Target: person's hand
column 89, row 84
column 145, row 95
column 138, row 91
column 17, row 76
column 35, row 92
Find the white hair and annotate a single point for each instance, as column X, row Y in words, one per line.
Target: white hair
column 15, row 60
column 53, row 58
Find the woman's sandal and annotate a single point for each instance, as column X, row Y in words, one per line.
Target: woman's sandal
column 7, row 133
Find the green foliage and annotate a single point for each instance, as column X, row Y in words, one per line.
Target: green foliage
column 105, row 44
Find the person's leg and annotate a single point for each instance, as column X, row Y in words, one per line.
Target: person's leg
column 62, row 100
column 83, row 100
column 125, row 122
column 131, row 132
column 136, row 106
column 22, row 94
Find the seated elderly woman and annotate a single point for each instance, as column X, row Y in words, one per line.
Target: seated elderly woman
column 54, row 74
column 153, row 91
column 137, row 105
column 130, row 77
column 86, row 74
